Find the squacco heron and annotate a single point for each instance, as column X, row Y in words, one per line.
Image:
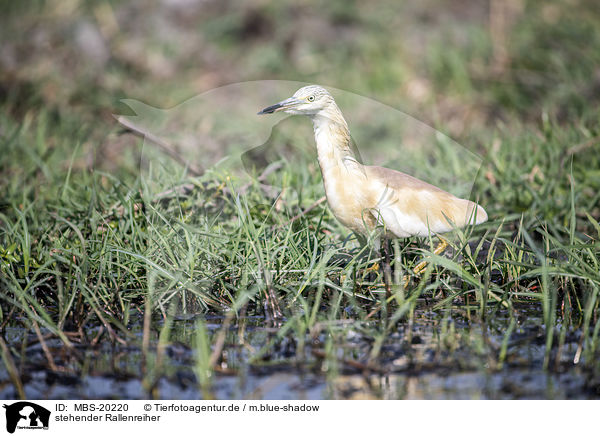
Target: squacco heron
column 364, row 197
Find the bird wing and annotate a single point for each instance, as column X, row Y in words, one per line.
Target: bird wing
column 408, row 206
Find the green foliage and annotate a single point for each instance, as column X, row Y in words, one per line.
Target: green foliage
column 86, row 241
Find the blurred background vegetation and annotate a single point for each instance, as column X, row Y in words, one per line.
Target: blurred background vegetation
column 455, row 64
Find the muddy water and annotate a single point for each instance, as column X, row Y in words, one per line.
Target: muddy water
column 438, row 357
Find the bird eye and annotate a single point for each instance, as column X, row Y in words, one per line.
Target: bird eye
column 311, row 98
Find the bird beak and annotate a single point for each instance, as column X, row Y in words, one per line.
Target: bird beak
column 282, row 105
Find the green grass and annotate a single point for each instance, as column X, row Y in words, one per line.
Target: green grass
column 87, row 243
column 89, row 249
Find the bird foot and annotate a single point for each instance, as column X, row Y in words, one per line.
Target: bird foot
column 373, row 268
column 420, row 267
column 441, row 247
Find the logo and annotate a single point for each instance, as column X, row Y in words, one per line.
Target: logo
column 26, row 415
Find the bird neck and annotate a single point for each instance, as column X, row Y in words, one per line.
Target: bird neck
column 333, row 139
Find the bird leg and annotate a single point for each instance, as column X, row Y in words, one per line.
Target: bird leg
column 441, row 247
column 386, row 267
column 373, row 268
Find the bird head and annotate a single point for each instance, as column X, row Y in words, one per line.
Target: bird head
column 309, row 100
